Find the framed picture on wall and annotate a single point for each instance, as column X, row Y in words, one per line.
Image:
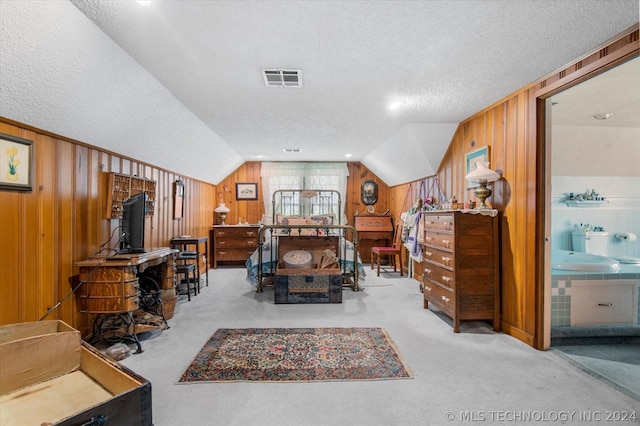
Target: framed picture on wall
column 16, row 166
column 369, row 192
column 480, row 155
column 246, row 191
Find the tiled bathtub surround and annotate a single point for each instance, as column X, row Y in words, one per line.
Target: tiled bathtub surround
column 561, row 290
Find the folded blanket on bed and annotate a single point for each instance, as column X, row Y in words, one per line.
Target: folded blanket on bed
column 270, row 260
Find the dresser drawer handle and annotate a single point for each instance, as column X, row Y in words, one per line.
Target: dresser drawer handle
column 428, row 254
column 427, row 271
column 250, row 241
column 221, row 233
column 605, row 304
column 222, row 253
column 429, row 239
column 222, row 243
column 446, row 259
column 446, row 243
column 446, row 279
column 427, row 288
column 446, row 299
column 250, row 234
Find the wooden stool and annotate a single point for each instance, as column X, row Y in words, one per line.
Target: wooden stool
column 190, row 257
column 187, row 269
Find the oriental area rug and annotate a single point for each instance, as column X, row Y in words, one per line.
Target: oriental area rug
column 297, row 355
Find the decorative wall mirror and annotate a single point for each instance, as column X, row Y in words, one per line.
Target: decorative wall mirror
column 369, row 192
column 178, row 208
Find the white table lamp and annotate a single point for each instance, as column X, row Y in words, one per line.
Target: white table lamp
column 222, row 210
column 483, row 175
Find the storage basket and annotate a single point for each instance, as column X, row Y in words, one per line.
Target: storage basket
column 169, row 307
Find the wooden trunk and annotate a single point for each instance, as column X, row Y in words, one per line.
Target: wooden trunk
column 308, row 285
column 49, row 376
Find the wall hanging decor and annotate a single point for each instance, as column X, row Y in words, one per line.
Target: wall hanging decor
column 246, row 191
column 178, row 207
column 16, row 167
column 369, row 192
column 472, row 159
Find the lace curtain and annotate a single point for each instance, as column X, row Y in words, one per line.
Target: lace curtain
column 288, row 175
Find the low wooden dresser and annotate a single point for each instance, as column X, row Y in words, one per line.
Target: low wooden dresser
column 233, row 243
column 460, row 258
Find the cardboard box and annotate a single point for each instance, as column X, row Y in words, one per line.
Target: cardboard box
column 49, row 376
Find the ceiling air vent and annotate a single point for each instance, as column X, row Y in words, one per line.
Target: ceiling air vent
column 282, row 78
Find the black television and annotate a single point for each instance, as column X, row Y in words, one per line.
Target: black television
column 132, row 225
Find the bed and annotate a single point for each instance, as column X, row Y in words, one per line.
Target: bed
column 306, row 225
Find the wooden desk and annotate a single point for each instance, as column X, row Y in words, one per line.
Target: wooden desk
column 373, row 230
column 110, row 285
column 181, row 243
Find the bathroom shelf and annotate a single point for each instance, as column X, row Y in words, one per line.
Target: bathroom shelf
column 586, row 203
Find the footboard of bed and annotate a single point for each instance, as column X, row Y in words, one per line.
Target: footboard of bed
column 314, row 239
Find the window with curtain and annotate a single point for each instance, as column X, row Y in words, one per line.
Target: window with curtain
column 286, row 175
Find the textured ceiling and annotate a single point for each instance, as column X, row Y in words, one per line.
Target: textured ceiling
column 179, row 83
column 615, row 92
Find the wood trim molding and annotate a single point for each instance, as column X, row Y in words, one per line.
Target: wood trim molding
column 625, row 48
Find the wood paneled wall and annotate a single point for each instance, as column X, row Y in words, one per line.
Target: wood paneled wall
column 246, row 210
column 62, row 221
column 252, row 211
column 358, row 174
column 514, row 130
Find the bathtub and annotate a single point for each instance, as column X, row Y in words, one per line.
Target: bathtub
column 575, row 261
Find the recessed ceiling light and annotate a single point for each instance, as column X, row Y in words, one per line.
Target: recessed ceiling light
column 144, row 2
column 602, row 116
column 348, row 155
column 397, row 104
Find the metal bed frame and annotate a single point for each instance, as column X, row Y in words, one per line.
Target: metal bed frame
column 304, row 202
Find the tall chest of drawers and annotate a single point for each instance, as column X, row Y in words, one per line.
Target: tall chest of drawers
column 460, row 258
column 233, row 243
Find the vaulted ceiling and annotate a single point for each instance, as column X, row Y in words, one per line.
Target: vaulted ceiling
column 180, row 84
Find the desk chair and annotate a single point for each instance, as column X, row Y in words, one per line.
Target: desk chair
column 379, row 253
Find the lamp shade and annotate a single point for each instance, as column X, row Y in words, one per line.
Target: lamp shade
column 483, row 172
column 222, row 209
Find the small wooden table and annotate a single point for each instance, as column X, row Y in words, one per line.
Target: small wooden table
column 181, row 243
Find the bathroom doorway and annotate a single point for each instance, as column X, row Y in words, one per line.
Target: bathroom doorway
column 591, row 144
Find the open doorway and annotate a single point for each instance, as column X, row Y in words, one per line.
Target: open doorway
column 592, row 140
